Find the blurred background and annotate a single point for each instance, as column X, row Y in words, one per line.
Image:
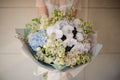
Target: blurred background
column 103, row 14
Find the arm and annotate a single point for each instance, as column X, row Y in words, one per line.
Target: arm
column 42, row 9
column 76, row 5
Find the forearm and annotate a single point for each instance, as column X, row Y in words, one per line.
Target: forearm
column 42, row 9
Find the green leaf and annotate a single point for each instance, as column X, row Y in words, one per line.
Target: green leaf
column 87, row 27
column 36, row 20
column 27, row 31
column 58, row 67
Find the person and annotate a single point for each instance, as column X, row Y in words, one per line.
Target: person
column 46, row 7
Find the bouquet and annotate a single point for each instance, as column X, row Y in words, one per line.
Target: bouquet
column 59, row 42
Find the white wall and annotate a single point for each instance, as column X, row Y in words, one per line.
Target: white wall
column 105, row 16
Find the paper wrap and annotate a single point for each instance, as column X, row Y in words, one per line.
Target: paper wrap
column 68, row 74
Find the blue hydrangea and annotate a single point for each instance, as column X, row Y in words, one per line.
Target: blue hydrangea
column 38, row 39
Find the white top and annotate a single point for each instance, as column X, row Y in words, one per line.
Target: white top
column 57, row 4
column 63, row 7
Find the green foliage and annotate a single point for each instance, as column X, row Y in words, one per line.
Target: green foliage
column 32, row 27
column 87, row 27
column 83, row 58
column 53, row 52
column 71, row 15
column 34, row 24
column 37, row 20
column 59, row 15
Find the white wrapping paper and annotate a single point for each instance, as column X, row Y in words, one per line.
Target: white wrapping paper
column 54, row 74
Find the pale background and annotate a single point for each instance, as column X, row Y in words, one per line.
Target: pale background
column 105, row 16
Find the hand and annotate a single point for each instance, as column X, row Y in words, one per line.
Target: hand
column 41, row 7
column 43, row 11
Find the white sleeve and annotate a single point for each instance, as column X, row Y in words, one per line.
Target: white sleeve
column 40, row 3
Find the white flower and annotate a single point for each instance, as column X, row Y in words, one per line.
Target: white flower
column 58, row 33
column 69, row 36
column 57, row 25
column 67, row 29
column 79, row 36
column 85, row 47
column 63, row 23
column 69, row 42
column 42, row 20
column 78, row 25
column 77, row 22
column 51, row 30
column 78, row 46
column 79, row 29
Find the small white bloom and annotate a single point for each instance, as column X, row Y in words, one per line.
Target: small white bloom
column 78, row 46
column 58, row 33
column 69, row 42
column 38, row 48
column 79, row 29
column 77, row 22
column 63, row 23
column 67, row 29
column 50, row 30
column 69, row 36
column 57, row 25
column 86, row 47
column 79, row 37
column 78, row 25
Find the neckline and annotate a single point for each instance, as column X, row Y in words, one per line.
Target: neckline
column 57, row 6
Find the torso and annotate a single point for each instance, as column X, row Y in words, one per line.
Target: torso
column 55, row 4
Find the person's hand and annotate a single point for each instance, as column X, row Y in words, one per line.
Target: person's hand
column 42, row 9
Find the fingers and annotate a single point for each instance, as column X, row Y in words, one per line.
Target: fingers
column 41, row 7
column 42, row 11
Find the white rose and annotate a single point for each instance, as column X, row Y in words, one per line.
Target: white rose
column 69, row 42
column 87, row 47
column 67, row 29
column 78, row 46
column 79, row 37
column 69, row 36
column 58, row 33
column 78, row 25
column 77, row 22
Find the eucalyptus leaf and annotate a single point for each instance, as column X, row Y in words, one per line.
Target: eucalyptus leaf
column 58, row 67
column 26, row 31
